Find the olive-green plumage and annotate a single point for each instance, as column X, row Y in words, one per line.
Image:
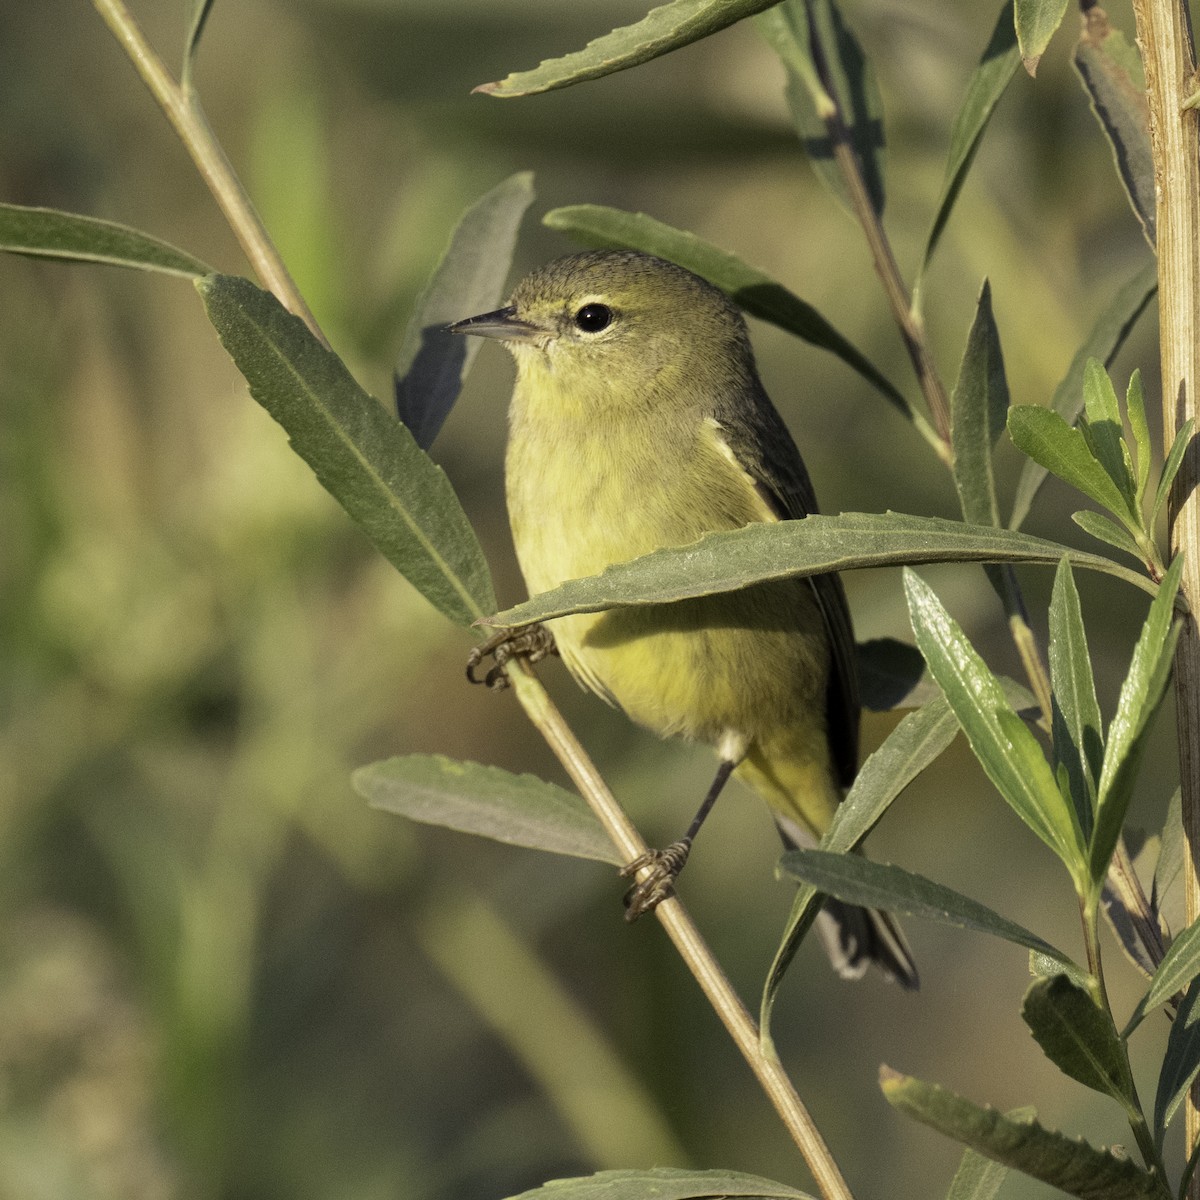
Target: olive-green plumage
column 638, row 421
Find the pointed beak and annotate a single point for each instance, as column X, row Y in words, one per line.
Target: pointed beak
column 503, row 325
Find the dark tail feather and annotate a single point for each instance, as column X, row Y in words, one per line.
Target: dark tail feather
column 857, row 938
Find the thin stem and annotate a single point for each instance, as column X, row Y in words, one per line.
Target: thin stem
column 183, row 110
column 682, row 931
column 1164, row 33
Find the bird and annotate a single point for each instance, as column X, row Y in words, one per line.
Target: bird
column 638, row 421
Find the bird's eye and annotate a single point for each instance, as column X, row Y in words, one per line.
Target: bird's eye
column 592, row 318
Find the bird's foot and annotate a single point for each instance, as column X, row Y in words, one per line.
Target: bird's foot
column 665, row 865
column 530, row 642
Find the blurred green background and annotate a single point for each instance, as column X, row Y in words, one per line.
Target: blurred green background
column 221, row 975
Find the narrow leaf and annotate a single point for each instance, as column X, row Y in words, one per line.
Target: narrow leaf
column 520, row 810
column 1168, row 871
column 360, row 454
column 858, row 880
column 1135, row 406
column 200, row 14
column 1104, row 530
column 661, row 30
column 1141, row 694
column 1006, row 749
column 1045, row 437
column 49, row 233
column 1076, row 725
column 664, row 1183
column 1069, row 1164
column 1179, row 966
column 978, row 408
column 722, row 562
column 1179, row 447
column 1037, row 21
column 468, row 280
column 1180, row 1063
column 1105, row 432
column 756, row 293
column 986, row 86
column 1078, row 1037
column 824, row 63
column 977, row 1178
column 916, row 742
column 1111, row 72
column 1103, row 342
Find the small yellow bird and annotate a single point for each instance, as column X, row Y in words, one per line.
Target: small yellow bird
column 638, row 421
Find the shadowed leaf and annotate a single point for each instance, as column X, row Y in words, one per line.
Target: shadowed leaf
column 468, row 280
column 1171, row 467
column 518, row 809
column 661, row 30
column 1180, row 1062
column 359, row 452
column 200, row 15
column 48, row 233
column 1179, row 966
column 664, row 1183
column 756, row 293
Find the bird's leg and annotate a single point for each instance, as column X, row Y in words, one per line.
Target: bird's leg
column 526, row 641
column 665, row 865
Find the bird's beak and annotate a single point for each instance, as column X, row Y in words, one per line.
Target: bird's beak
column 503, row 325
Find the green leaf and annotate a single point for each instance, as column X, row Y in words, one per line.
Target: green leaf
column 1141, row 694
column 917, row 741
column 1079, row 1038
column 977, row 1178
column 1069, row 1164
column 723, row 562
column 200, row 14
column 1135, row 406
column 756, row 293
column 360, row 454
column 987, row 84
column 1045, row 437
column 661, row 30
column 978, row 408
column 1104, row 530
column 1103, row 342
column 858, row 880
column 1104, row 433
column 824, row 63
column 1180, row 1062
column 1168, row 871
column 1111, row 72
column 1179, row 966
column 1078, row 733
column 1171, row 467
column 520, row 810
column 48, row 233
column 467, row 281
column 1037, row 21
column 664, row 1183
column 1006, row 749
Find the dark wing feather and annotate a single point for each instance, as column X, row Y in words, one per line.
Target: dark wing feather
column 761, row 443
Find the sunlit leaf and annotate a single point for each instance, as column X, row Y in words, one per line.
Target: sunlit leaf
column 756, row 293
column 1076, row 724
column 1111, row 71
column 1168, row 870
column 359, row 452
column 1135, row 406
column 518, row 809
column 1006, row 749
column 48, row 233
column 858, row 880
column 664, row 1183
column 1171, row 467
column 1103, row 342
column 917, row 741
column 825, row 62
column 1104, row 530
column 1180, row 1062
column 1179, row 966
column 1069, row 1164
column 1078, row 1037
column 722, row 562
column 1037, row 21
column 1141, row 694
column 987, row 84
column 661, row 30
column 1105, row 433
column 977, row 1178
column 468, row 280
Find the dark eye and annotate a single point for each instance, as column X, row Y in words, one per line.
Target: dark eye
column 592, row 318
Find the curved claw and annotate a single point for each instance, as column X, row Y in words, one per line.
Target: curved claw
column 531, row 642
column 647, row 894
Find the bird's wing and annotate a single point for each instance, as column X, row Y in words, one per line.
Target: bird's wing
column 763, row 447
